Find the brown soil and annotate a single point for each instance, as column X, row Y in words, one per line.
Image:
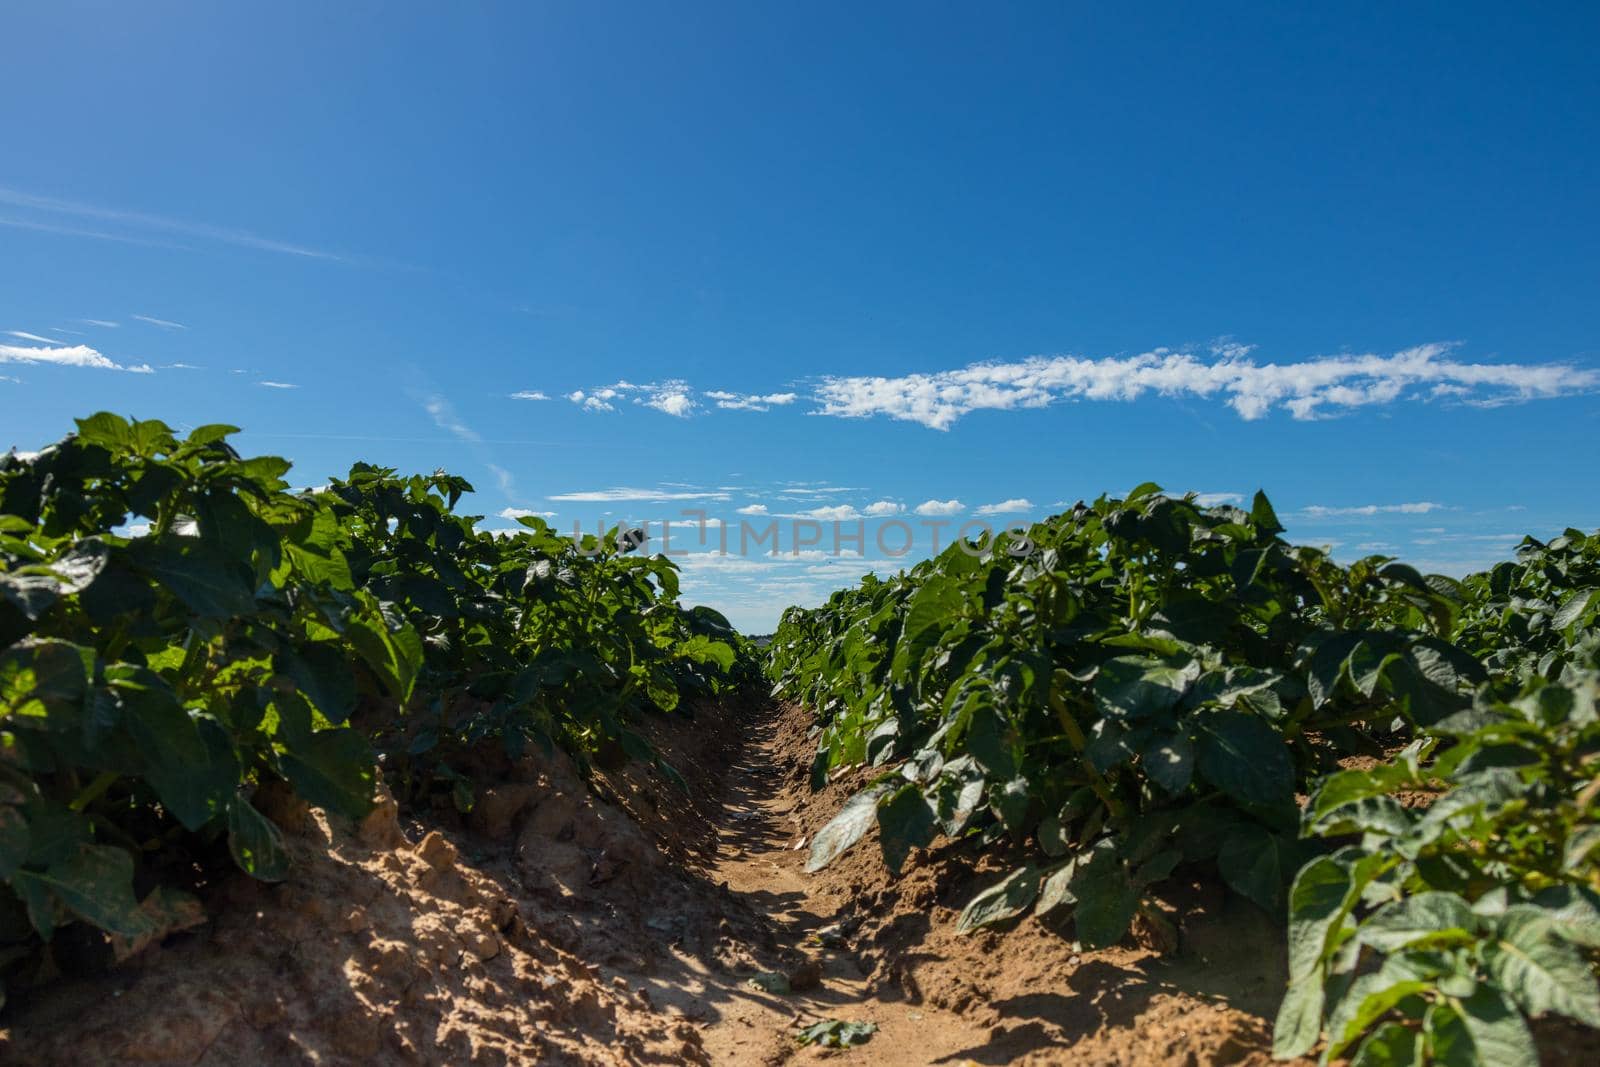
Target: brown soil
column 623, row 924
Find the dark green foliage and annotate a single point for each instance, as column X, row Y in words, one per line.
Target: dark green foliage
column 153, row 676
column 1438, row 927
column 1131, row 672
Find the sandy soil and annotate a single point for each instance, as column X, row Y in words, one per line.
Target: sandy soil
column 632, row 922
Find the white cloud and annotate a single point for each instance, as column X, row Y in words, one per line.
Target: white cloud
column 1006, row 507
column 884, row 507
column 599, row 400
column 101, row 322
column 503, row 479
column 277, row 385
column 1211, row 500
column 672, row 398
column 518, row 513
column 165, row 324
column 750, row 401
column 752, row 509
column 9, row 378
column 1421, row 507
column 938, row 507
column 819, row 490
column 1307, row 389
column 66, row 356
column 529, row 394
column 623, row 494
column 841, row 513
column 26, row 336
column 444, row 416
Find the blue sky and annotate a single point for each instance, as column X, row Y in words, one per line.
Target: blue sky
column 838, row 256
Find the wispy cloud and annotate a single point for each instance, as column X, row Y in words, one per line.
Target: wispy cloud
column 825, row 513
column 596, row 496
column 750, row 401
column 277, row 385
column 502, row 478
column 140, row 220
column 102, row 323
column 752, row 509
column 67, row 356
column 37, row 226
column 1421, row 507
column 26, row 336
column 818, row 490
column 1307, row 389
column 1013, row 506
column 444, row 416
column 939, row 507
column 521, row 513
column 529, row 394
column 165, row 324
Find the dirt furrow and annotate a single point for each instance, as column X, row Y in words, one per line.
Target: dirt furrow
column 760, row 856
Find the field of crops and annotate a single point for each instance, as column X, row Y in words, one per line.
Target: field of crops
column 1144, row 684
column 1402, row 770
column 246, row 638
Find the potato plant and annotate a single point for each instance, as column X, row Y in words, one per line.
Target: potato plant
column 1438, row 928
column 179, row 628
column 1134, row 685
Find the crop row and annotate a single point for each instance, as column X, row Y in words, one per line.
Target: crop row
column 1145, row 684
column 179, row 631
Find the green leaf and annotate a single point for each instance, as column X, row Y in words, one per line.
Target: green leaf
column 1298, row 1025
column 1390, row 1045
column 905, row 821
column 1318, row 901
column 333, row 769
column 1256, row 863
column 1418, row 920
column 256, row 844
column 208, row 585
column 834, row 1033
column 1368, row 999
column 933, row 607
column 1574, row 608
column 1573, row 913
column 1133, row 687
column 1056, row 889
column 95, row 882
column 13, row 840
column 322, row 675
column 1004, row 900
column 1106, row 893
column 1263, row 517
column 844, row 829
column 1483, row 1029
column 1538, row 970
column 44, row 684
column 189, row 758
column 1246, row 758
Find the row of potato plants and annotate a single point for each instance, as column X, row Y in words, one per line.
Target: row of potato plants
column 180, row 629
column 1143, row 684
